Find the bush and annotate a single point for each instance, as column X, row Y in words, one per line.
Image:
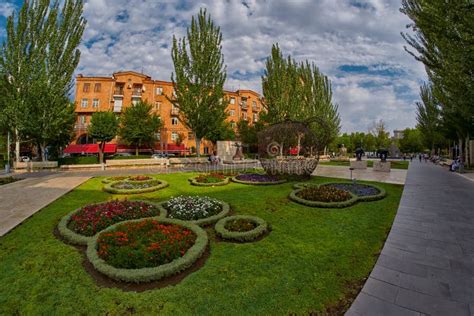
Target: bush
column 81, row 224
column 150, row 273
column 324, row 194
column 294, row 196
column 200, row 210
column 81, row 160
column 258, row 179
column 134, row 187
column 223, row 225
column 7, row 180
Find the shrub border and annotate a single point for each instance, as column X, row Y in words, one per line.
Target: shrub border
column 154, row 273
column 368, row 198
column 127, row 177
column 234, row 179
column 193, row 181
column 204, row 221
column 262, row 228
column 293, row 196
column 78, row 239
column 108, row 187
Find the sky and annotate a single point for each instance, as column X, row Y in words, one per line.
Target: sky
column 356, row 43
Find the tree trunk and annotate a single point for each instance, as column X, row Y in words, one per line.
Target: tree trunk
column 42, row 147
column 17, row 146
column 466, row 151
column 101, row 152
column 198, row 146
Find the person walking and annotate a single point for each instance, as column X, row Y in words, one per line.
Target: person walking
column 419, row 157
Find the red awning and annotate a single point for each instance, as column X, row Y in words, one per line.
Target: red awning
column 89, row 149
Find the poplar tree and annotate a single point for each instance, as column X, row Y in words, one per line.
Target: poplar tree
column 37, row 62
column 199, row 76
column 428, row 117
column 103, row 128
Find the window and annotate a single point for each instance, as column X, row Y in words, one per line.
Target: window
column 135, row 101
column 254, row 104
column 174, row 93
column 232, row 100
column 84, row 103
column 244, row 102
column 157, row 105
column 95, row 103
column 206, row 150
column 158, row 136
column 255, row 117
column 231, row 112
column 174, row 136
column 190, row 136
column 82, row 119
column 174, row 121
column 159, row 90
column 97, row 87
column 232, row 124
column 86, row 87
column 244, row 116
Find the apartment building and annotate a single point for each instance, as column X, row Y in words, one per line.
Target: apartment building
column 125, row 88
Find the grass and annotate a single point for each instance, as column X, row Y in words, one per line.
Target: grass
column 393, row 164
column 308, row 263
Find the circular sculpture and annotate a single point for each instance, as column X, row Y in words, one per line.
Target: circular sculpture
column 79, row 226
column 237, row 228
column 134, row 187
column 258, row 179
column 209, row 180
column 199, row 210
column 159, row 248
column 364, row 192
column 321, row 196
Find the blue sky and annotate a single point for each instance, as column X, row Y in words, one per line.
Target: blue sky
column 357, row 43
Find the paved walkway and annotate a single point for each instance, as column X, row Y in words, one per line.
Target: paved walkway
column 396, row 176
column 427, row 263
column 19, row 200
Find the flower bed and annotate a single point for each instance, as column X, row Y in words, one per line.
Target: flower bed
column 127, row 178
column 114, row 179
column 211, row 179
column 80, row 225
column 201, row 210
column 258, row 179
column 241, row 228
column 135, row 187
column 147, row 249
column 139, row 178
column 364, row 192
column 322, row 196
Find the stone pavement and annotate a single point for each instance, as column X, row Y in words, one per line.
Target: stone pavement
column 396, row 176
column 427, row 263
column 19, row 200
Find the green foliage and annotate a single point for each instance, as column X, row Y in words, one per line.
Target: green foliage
column 37, row 62
column 199, row 76
column 412, row 141
column 225, row 210
column 154, row 186
column 103, row 128
column 248, row 134
column 428, row 117
column 81, row 160
column 261, row 228
column 222, row 132
column 139, row 125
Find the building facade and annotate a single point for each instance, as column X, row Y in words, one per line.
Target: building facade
column 123, row 89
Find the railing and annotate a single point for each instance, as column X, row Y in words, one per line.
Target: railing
column 81, row 126
column 118, row 91
column 137, row 93
column 255, row 108
column 244, row 106
column 175, row 112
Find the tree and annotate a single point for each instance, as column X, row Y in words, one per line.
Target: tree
column 36, row 64
column 223, row 132
column 428, row 117
column 379, row 131
column 103, row 128
column 411, row 142
column 139, row 125
column 199, row 76
column 248, row 133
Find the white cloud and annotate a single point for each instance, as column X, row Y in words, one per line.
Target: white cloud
column 6, row 9
column 330, row 33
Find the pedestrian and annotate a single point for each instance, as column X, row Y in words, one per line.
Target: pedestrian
column 419, row 157
column 411, row 157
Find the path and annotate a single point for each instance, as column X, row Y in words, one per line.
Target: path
column 427, row 263
column 396, row 176
column 19, row 200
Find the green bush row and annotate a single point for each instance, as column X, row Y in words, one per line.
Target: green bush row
column 155, row 273
column 81, row 160
column 208, row 220
column 78, row 239
column 262, row 228
column 202, row 184
column 234, row 179
column 108, row 188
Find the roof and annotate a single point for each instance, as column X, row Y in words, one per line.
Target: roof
column 89, row 149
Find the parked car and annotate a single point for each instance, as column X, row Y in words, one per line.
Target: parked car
column 162, row 155
column 123, row 155
column 25, row 159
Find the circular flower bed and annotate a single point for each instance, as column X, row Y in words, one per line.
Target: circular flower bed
column 364, row 192
column 114, row 179
column 78, row 226
column 147, row 249
column 323, row 196
column 211, row 179
column 135, row 187
column 201, row 210
column 257, row 179
column 241, row 228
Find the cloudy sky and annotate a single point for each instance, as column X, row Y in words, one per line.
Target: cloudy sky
column 357, row 43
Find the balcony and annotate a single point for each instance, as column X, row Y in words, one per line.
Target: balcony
column 81, row 126
column 255, row 108
column 244, row 105
column 137, row 93
column 174, row 112
column 118, row 92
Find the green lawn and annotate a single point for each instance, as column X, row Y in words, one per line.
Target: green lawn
column 307, row 263
column 393, row 164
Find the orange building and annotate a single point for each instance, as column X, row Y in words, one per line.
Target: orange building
column 123, row 89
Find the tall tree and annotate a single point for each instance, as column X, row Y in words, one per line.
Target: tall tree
column 379, row 130
column 412, row 141
column 199, row 76
column 37, row 62
column 139, row 125
column 428, row 116
column 103, row 128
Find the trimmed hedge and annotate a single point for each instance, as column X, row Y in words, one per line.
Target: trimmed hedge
column 78, row 239
column 127, row 177
column 202, row 184
column 108, row 187
column 234, row 179
column 262, row 228
column 155, row 273
column 208, row 220
column 382, row 193
column 293, row 196
column 80, row 160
